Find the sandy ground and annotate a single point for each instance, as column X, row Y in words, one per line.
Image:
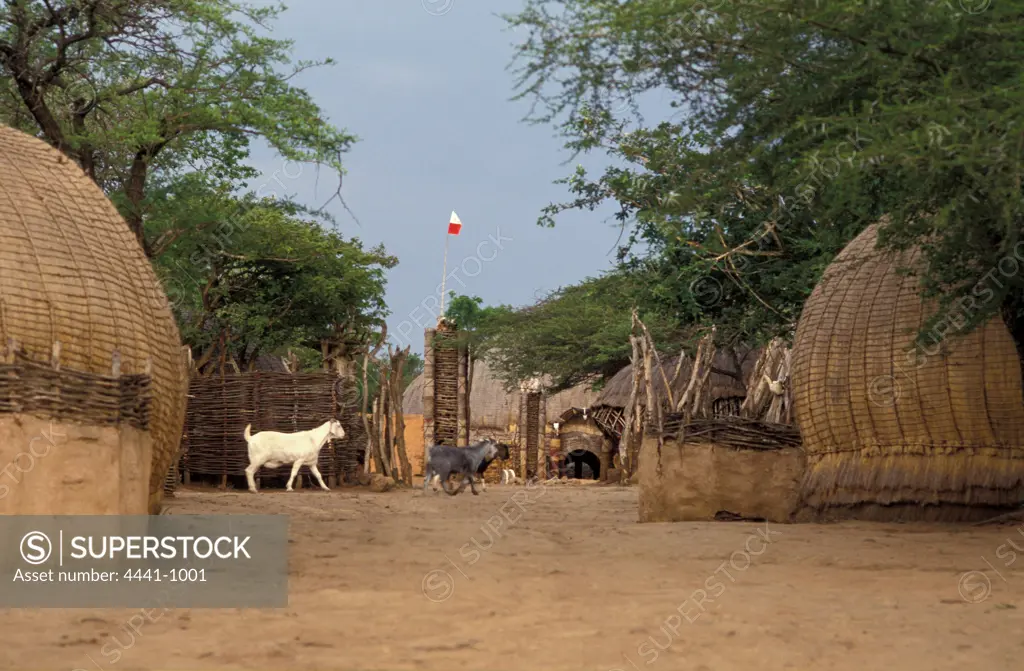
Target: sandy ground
column 570, row 580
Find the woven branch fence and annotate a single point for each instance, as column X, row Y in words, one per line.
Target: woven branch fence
column 220, row 407
column 44, row 389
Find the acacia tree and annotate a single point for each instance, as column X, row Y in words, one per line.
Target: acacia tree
column 804, row 122
column 130, row 88
column 274, row 281
column 575, row 334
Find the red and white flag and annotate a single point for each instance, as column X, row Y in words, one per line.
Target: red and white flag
column 454, row 224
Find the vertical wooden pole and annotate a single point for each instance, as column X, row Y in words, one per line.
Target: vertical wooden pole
column 524, row 431
column 462, row 434
column 429, row 437
column 542, row 443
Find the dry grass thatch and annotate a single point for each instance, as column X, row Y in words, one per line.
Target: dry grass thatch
column 581, row 396
column 885, row 424
column 493, row 407
column 72, row 272
column 616, row 392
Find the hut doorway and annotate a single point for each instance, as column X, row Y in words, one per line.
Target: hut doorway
column 582, row 465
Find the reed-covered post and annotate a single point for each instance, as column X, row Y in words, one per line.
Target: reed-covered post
column 463, row 422
column 428, row 390
column 524, row 430
column 542, row 434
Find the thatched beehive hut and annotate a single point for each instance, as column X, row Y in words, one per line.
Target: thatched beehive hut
column 92, row 354
column 896, row 432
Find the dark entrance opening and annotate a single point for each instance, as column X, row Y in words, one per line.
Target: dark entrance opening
column 582, row 465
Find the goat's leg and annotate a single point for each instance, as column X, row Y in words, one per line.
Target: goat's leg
column 316, row 474
column 250, row 472
column 472, row 484
column 427, row 478
column 295, row 471
column 445, row 482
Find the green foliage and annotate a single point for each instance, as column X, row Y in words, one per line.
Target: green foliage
column 468, row 313
column 158, row 101
column 802, row 123
column 263, row 279
column 136, row 92
column 576, row 334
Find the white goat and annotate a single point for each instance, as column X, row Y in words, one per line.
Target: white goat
column 273, row 448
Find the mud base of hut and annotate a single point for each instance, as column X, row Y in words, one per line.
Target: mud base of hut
column 928, row 485
column 60, row 468
column 707, row 481
column 899, row 513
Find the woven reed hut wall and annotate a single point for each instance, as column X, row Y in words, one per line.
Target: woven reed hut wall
column 221, row 406
column 722, row 468
column 887, row 429
column 75, row 282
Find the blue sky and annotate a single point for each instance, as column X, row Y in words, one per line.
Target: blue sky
column 423, row 84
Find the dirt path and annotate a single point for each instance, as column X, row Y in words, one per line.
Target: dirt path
column 395, row 581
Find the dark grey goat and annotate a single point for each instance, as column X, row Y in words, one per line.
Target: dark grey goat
column 444, row 460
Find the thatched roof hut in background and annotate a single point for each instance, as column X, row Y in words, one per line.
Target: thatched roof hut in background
column 884, row 424
column 727, row 388
column 581, row 396
column 491, row 407
column 268, row 363
column 80, row 299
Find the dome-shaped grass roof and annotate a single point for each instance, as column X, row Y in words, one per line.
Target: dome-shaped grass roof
column 886, row 422
column 72, row 272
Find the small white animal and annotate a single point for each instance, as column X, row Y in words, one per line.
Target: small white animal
column 273, row 448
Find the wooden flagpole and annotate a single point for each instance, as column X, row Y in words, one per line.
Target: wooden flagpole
column 447, row 236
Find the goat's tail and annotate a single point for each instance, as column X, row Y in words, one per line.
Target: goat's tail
column 247, row 434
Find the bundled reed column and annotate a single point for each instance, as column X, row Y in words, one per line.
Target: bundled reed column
column 445, row 389
column 462, row 423
column 428, row 387
column 542, row 434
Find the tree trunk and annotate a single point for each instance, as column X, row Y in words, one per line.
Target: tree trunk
column 694, row 401
column 398, row 369
column 135, row 190
column 378, row 466
column 35, row 100
column 368, row 452
column 385, row 423
column 633, row 411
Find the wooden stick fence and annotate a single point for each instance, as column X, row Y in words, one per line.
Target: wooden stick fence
column 220, row 407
